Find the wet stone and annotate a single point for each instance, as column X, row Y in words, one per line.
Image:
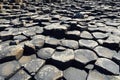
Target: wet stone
column 48, row 72
column 107, row 65
column 105, row 52
column 9, row 68
column 74, row 74
column 70, row 44
column 84, row 55
column 21, row 74
column 45, row 53
column 63, row 56
column 87, row 43
column 34, row 65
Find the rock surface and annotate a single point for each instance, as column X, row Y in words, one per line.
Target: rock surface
column 59, row 39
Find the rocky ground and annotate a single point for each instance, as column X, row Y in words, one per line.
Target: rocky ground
column 60, row 41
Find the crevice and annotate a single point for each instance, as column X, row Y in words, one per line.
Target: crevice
column 7, row 59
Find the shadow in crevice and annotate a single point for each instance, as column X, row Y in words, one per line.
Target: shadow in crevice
column 103, row 71
column 112, row 46
column 7, row 59
column 64, row 65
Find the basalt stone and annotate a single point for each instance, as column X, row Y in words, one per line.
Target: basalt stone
column 107, row 65
column 9, row 68
column 20, row 38
column 29, row 33
column 25, row 59
column 73, row 34
column 38, row 42
column 84, row 56
column 70, row 44
column 63, row 56
column 45, row 53
column 12, row 51
column 34, row 65
column 111, row 23
column 95, row 75
column 60, row 48
column 74, row 74
column 2, row 78
column 87, row 43
column 52, row 41
column 105, row 52
column 5, row 35
column 48, row 72
column 99, row 35
column 21, row 74
column 39, row 30
column 55, row 26
column 89, row 66
column 86, row 35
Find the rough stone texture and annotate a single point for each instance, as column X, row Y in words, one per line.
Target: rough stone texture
column 63, row 56
column 21, row 74
column 84, row 55
column 104, row 52
column 107, row 65
column 74, row 74
column 70, row 44
column 12, row 51
column 45, row 53
column 88, row 43
column 82, row 34
column 34, row 65
column 9, row 68
column 95, row 75
column 48, row 72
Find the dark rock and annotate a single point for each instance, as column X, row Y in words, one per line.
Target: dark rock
column 84, row 55
column 48, row 72
column 70, row 44
column 21, row 74
column 87, row 43
column 45, row 53
column 74, row 74
column 34, row 65
column 104, row 52
column 108, row 65
column 9, row 68
column 63, row 56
